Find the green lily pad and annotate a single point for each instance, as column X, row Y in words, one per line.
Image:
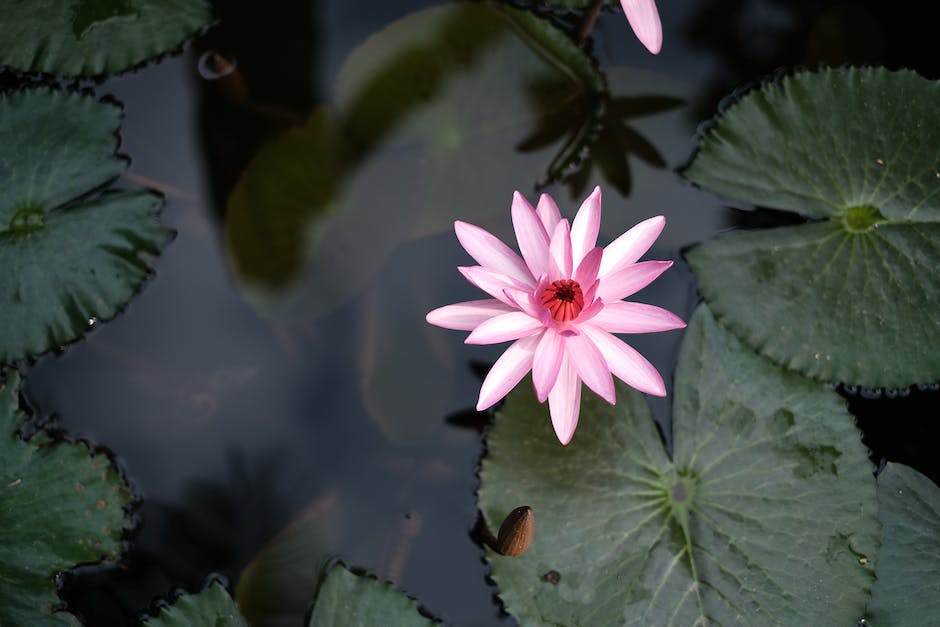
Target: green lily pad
column 212, row 607
column 92, row 37
column 66, row 259
column 907, row 591
column 854, row 297
column 425, row 110
column 765, row 515
column 349, row 599
column 60, row 505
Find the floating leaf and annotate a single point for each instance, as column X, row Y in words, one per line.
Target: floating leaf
column 766, row 515
column 65, row 260
column 348, row 599
column 425, row 110
column 60, row 506
column 92, row 37
column 907, row 591
column 854, row 298
column 212, row 607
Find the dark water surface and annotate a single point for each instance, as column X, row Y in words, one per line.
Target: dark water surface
column 231, row 426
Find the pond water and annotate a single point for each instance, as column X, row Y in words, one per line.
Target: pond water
column 341, row 423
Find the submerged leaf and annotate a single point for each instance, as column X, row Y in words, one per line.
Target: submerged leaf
column 762, row 517
column 92, row 37
column 907, row 591
column 425, row 110
column 66, row 260
column 855, row 298
column 60, row 506
column 212, row 607
column 275, row 589
column 348, row 599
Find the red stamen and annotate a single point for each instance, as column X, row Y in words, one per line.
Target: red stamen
column 563, row 299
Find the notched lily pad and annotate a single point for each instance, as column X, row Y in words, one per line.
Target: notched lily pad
column 60, row 505
column 855, row 297
column 68, row 257
column 212, row 607
column 93, row 37
column 907, row 591
column 349, row 599
column 765, row 515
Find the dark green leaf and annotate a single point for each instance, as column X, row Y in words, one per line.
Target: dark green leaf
column 65, row 261
column 212, row 607
column 60, row 505
column 348, row 599
column 766, row 515
column 907, row 591
column 92, row 37
column 855, row 298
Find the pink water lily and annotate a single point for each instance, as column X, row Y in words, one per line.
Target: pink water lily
column 559, row 303
column 644, row 20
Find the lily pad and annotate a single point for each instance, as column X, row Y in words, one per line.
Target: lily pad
column 66, row 257
column 60, row 505
column 907, row 591
column 765, row 515
column 212, row 607
column 349, row 599
column 425, row 110
column 854, row 297
column 93, row 37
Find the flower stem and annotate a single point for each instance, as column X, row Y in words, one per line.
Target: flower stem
column 587, row 24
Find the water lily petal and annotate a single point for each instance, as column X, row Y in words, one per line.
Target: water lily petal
column 525, row 301
column 531, row 235
column 564, row 402
column 548, row 213
column 468, row 315
column 632, row 245
column 591, row 366
column 596, row 306
column 628, row 317
column 587, row 223
column 547, row 363
column 630, row 279
column 491, row 253
column 508, row 370
column 644, row 20
column 503, row 328
column 560, row 249
column 586, row 273
column 625, row 362
column 493, row 283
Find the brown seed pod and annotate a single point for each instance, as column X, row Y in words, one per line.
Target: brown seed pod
column 516, row 532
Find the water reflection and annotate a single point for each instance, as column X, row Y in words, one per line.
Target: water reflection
column 750, row 39
column 326, row 403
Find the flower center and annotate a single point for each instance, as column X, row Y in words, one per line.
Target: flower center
column 564, row 299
